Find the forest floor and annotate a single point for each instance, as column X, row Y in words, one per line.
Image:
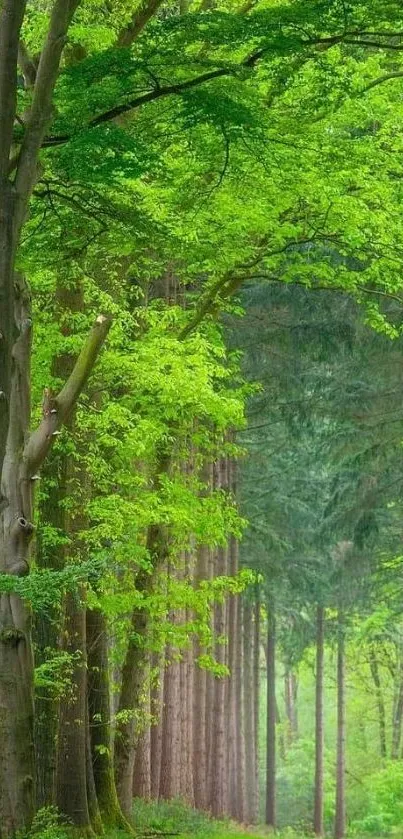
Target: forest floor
column 174, row 819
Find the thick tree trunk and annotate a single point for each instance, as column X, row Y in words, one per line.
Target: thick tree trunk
column 373, row 663
column 319, row 728
column 16, row 662
column 340, row 814
column 271, row 717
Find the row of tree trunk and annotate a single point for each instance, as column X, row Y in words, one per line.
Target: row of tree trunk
column 203, row 745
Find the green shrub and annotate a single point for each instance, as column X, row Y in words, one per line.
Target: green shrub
column 47, row 824
column 384, row 801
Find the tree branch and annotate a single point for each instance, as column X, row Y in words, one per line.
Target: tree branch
column 11, row 18
column 57, row 409
column 27, row 65
column 139, row 20
column 382, row 79
column 41, row 110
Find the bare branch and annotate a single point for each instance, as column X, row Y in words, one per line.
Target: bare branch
column 11, row 18
column 41, row 109
column 139, row 20
column 57, row 409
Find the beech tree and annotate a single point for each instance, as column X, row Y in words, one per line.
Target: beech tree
column 63, row 103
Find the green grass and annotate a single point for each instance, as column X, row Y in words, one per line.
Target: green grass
column 176, row 818
column 167, row 819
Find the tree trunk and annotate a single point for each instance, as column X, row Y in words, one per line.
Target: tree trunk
column 373, row 663
column 52, row 512
column 249, row 721
column 231, row 699
column 199, row 704
column 340, row 814
column 99, row 706
column 16, row 502
column 169, row 779
column 71, row 771
column 319, row 729
column 133, row 677
column 256, row 699
column 271, row 717
column 218, row 776
column 290, row 696
column 398, row 709
column 136, row 661
column 239, row 707
column 142, row 763
column 156, row 728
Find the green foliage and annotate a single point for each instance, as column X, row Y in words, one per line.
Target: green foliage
column 47, row 824
column 383, row 803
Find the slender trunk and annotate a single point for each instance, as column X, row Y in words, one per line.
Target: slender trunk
column 92, row 798
column 340, row 814
column 398, row 710
column 239, row 714
column 142, row 764
column 136, row 662
column 199, row 703
column 169, row 779
column 281, row 737
column 290, row 696
column 71, row 768
column 218, row 776
column 373, row 663
column 99, row 706
column 319, row 729
column 133, row 677
column 271, row 718
column 156, row 728
column 256, row 699
column 231, row 699
column 189, row 788
column 249, row 720
column 210, row 689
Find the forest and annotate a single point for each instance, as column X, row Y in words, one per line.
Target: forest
column 201, row 356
